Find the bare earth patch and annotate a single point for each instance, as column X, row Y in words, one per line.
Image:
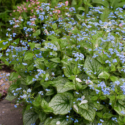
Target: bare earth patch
column 9, row 115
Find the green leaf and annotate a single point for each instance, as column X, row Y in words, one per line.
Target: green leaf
column 114, row 2
column 68, row 70
column 99, row 114
column 46, row 106
column 74, row 3
column 47, row 121
column 107, row 115
column 83, row 106
column 104, row 75
column 120, row 97
column 61, row 88
column 39, row 63
column 75, row 30
column 56, row 60
column 37, row 101
column 98, row 106
column 29, row 80
column 42, row 116
column 58, row 80
column 37, row 45
column 76, row 70
column 94, row 98
column 113, row 68
column 104, row 15
column 28, row 56
column 120, row 109
column 80, row 17
column 29, row 117
column 10, row 96
column 28, row 107
column 61, row 103
column 32, row 45
column 111, row 122
column 59, row 83
column 50, row 92
column 119, row 5
column 78, row 85
column 62, row 121
column 37, row 33
column 104, row 3
column 92, row 66
column 13, row 76
column 81, row 8
column 54, row 26
column 30, row 67
column 41, row 123
column 87, row 114
column 69, row 85
column 13, row 87
column 113, row 78
column 15, row 42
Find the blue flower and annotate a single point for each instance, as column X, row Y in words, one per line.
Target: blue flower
column 117, row 82
column 15, row 106
column 114, row 60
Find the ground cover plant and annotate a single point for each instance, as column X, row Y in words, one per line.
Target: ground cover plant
column 71, row 66
column 6, row 7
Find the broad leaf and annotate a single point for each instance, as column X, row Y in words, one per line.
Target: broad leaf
column 62, row 121
column 37, row 101
column 104, row 75
column 37, row 33
column 107, row 115
column 28, row 56
column 13, row 76
column 47, row 121
column 42, row 116
column 54, row 26
column 88, row 114
column 120, row 109
column 10, row 96
column 104, row 3
column 56, row 60
column 61, row 103
column 29, row 80
column 110, row 122
column 69, row 85
column 68, row 70
column 46, row 106
column 83, row 106
column 92, row 67
column 29, row 117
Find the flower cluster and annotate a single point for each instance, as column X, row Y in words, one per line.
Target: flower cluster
column 68, row 66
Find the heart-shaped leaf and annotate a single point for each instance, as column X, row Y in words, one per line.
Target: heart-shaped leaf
column 61, row 103
column 29, row 117
column 92, row 67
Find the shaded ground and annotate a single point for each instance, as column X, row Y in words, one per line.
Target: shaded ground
column 9, row 115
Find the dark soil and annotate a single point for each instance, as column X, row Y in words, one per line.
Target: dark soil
column 9, row 115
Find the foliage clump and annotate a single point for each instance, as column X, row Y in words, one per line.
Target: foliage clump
column 71, row 69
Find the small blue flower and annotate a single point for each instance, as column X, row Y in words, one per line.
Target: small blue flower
column 15, row 106
column 114, row 60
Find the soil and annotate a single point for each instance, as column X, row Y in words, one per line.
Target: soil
column 9, row 115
